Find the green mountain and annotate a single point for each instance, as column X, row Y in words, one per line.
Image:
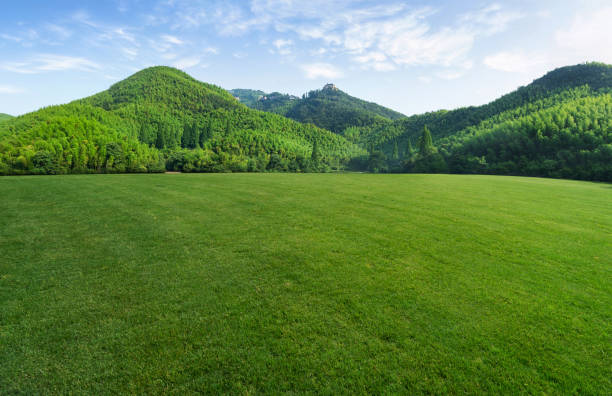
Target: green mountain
column 249, row 97
column 557, row 126
column 4, row 117
column 161, row 118
column 328, row 108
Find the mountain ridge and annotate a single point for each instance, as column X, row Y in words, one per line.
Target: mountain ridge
column 163, row 113
column 329, row 108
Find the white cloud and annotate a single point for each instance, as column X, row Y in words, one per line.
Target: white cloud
column 515, row 62
column 280, row 43
column 283, row 47
column 172, row 39
column 25, row 37
column 382, row 66
column 589, row 37
column 318, row 52
column 315, row 71
column 371, row 57
column 47, row 62
column 124, row 34
column 60, row 62
column 401, row 33
column 491, row 19
column 130, row 53
column 186, row 63
column 450, row 74
column 8, row 89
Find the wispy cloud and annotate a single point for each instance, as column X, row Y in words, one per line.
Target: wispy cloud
column 48, row 62
column 397, row 32
column 515, row 61
column 589, row 37
column 315, row 71
column 9, row 89
column 186, row 63
column 25, row 37
column 172, row 39
column 283, row 47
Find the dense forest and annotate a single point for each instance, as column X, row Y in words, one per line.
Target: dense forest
column 327, row 108
column 558, row 126
column 162, row 119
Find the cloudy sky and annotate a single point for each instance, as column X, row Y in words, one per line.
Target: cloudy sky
column 412, row 56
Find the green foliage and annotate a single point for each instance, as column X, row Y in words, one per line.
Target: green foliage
column 328, row 108
column 570, row 140
column 5, row 117
column 248, row 97
column 556, row 87
column 377, row 162
column 316, row 154
column 425, row 143
column 65, row 143
column 166, row 111
column 558, row 126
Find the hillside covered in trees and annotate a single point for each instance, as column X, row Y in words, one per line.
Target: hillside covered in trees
column 4, row 117
column 161, row 118
column 328, row 108
column 558, row 126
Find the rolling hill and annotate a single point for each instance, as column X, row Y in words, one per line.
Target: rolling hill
column 557, row 126
column 5, row 117
column 161, row 118
column 328, row 108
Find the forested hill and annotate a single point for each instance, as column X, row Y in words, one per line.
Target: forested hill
column 558, row 126
column 161, row 118
column 247, row 97
column 4, row 117
column 328, row 108
column 555, row 86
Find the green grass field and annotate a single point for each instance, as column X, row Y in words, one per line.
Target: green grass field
column 314, row 283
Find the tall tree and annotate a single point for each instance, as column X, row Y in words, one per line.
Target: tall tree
column 409, row 148
column 425, row 143
column 316, row 154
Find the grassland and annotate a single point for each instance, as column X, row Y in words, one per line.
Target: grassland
column 270, row 283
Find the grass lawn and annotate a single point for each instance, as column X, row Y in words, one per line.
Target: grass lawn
column 314, row 283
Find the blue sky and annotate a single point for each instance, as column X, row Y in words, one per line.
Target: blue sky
column 412, row 56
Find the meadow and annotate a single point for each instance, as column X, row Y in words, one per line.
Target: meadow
column 305, row 283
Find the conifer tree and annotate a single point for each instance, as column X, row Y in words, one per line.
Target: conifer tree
column 316, row 155
column 425, row 143
column 409, row 148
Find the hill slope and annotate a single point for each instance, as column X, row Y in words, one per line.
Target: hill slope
column 328, row 108
column 4, row 117
column 566, row 111
column 162, row 114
